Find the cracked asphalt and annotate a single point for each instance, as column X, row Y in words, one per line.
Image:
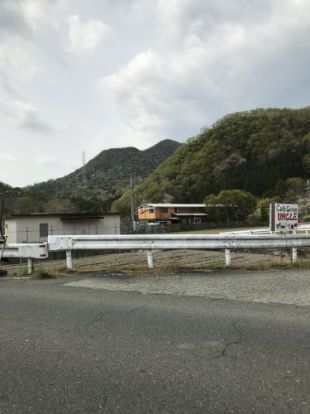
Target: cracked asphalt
column 68, row 348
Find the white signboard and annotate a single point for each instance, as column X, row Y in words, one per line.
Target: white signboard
column 285, row 217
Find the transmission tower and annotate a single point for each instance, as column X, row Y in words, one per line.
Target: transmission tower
column 84, row 169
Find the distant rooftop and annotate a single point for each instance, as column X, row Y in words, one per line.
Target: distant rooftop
column 172, row 205
column 64, row 216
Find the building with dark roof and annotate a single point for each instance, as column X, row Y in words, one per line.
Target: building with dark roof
column 34, row 228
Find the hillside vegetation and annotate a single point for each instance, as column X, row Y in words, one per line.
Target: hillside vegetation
column 263, row 152
column 107, row 175
column 4, row 187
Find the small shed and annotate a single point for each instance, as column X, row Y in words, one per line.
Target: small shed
column 34, row 228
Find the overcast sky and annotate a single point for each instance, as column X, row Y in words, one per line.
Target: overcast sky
column 87, row 75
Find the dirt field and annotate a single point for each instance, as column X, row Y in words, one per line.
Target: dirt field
column 167, row 261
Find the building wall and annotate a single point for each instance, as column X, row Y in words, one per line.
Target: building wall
column 144, row 214
column 107, row 225
column 112, row 224
column 164, row 213
column 10, row 231
column 27, row 229
column 161, row 213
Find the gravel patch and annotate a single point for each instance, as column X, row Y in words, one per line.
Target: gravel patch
column 276, row 286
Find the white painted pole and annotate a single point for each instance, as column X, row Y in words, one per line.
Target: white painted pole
column 69, row 259
column 294, row 252
column 227, row 258
column 150, row 261
column 30, row 266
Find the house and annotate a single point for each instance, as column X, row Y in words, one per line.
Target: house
column 172, row 213
column 34, row 228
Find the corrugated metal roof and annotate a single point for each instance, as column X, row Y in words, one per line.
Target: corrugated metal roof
column 173, row 205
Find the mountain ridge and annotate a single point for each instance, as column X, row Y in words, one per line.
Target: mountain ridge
column 107, row 174
column 258, row 151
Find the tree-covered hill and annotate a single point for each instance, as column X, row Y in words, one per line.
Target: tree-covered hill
column 256, row 151
column 106, row 176
column 4, row 187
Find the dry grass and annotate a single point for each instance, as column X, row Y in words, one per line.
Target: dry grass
column 164, row 261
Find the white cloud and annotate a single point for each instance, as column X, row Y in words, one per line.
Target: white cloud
column 135, row 85
column 34, row 12
column 55, row 162
column 18, row 65
column 24, row 25
column 26, row 116
column 86, row 35
column 4, row 157
column 168, row 68
column 47, row 161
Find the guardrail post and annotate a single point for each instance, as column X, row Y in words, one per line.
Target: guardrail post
column 294, row 254
column 227, row 258
column 30, row 266
column 150, row 261
column 69, row 259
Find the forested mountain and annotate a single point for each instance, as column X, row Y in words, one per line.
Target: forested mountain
column 258, row 151
column 4, row 187
column 106, row 176
column 265, row 152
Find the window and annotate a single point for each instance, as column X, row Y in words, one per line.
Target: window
column 151, row 210
column 164, row 210
column 43, row 229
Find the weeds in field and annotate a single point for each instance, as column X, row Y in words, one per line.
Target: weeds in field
column 23, row 271
column 42, row 273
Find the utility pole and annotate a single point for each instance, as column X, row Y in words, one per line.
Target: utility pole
column 132, row 204
column 2, row 237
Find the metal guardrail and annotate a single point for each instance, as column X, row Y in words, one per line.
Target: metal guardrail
column 148, row 243
column 266, row 230
column 250, row 231
column 176, row 241
column 27, row 251
column 224, row 241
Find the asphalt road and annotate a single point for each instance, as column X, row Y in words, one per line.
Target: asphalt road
column 68, row 349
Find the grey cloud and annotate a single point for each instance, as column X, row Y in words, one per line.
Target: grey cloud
column 12, row 19
column 24, row 17
column 25, row 116
column 172, row 67
column 205, row 18
column 36, row 124
column 236, row 64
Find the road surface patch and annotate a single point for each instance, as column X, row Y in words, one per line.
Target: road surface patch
column 285, row 286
